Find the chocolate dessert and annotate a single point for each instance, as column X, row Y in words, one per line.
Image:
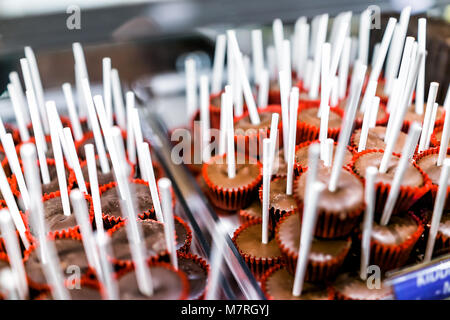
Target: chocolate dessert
column 54, row 184
column 309, row 116
column 339, row 211
column 428, row 163
column 196, row 271
column 325, row 257
column 351, row 287
column 277, row 284
column 102, row 178
column 252, row 213
column 301, row 155
column 375, row 139
column 54, row 215
column 442, row 243
column 167, row 285
column 70, row 253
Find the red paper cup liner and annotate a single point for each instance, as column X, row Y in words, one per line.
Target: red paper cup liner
column 202, row 263
column 430, row 197
column 435, row 141
column 258, row 265
column 438, row 123
column 184, row 294
column 14, row 132
column 65, row 121
column 185, row 247
column 389, row 257
column 442, row 241
column 230, row 199
column 251, row 141
column 245, row 217
column 275, row 214
column 315, row 271
column 329, row 225
column 307, row 132
column 269, row 273
column 125, row 263
column 407, row 196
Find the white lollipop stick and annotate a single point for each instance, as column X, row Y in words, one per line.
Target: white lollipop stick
column 81, row 213
column 59, row 128
column 365, row 129
column 18, row 111
column 271, row 62
column 441, row 197
column 321, row 36
column 344, row 64
column 144, row 152
column 369, row 197
column 37, row 85
column 135, row 240
column 284, row 96
column 313, row 162
column 74, row 160
column 93, row 182
column 165, row 187
column 368, row 95
column 231, row 158
column 393, row 134
column 273, row 138
column 394, row 58
column 108, row 279
column 138, row 137
column 446, row 130
column 338, row 47
column 334, row 95
column 432, row 93
column 431, row 125
column 204, row 117
column 118, row 99
column 396, row 85
column 95, row 127
column 376, row 49
column 249, row 99
column 308, row 74
column 328, row 152
column 219, row 60
column 420, row 88
column 286, row 60
column 291, row 142
column 324, row 79
column 374, row 111
column 81, row 72
column 266, row 191
column 303, row 47
column 118, row 158
column 263, row 91
column 278, row 37
column 407, row 153
column 41, row 145
column 238, row 100
column 22, row 102
column 107, row 95
column 59, row 161
column 13, row 160
column 223, row 124
column 131, row 145
column 257, row 55
column 73, row 114
column 191, row 87
column 306, row 237
column 364, row 34
column 14, row 253
column 344, row 136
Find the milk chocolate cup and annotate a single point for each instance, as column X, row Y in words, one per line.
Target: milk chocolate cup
column 429, row 198
column 408, row 195
column 389, row 257
column 230, row 199
column 258, row 265
column 315, row 271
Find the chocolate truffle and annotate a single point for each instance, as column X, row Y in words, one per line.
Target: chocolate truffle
column 70, row 253
column 375, row 139
column 167, row 285
column 325, row 257
column 277, row 284
column 339, row 211
column 351, row 287
column 110, row 200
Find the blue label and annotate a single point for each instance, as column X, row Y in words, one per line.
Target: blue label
column 429, row 283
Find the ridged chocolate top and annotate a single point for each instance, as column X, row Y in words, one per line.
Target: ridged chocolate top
column 246, row 174
column 249, row 242
column 110, row 199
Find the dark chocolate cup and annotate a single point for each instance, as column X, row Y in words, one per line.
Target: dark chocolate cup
column 329, row 225
column 230, row 199
column 202, row 263
column 429, row 198
column 256, row 137
column 184, row 294
column 389, row 257
column 258, row 266
column 407, row 196
column 315, row 271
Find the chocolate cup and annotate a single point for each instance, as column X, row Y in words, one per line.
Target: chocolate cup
column 196, row 270
column 258, row 265
column 351, row 287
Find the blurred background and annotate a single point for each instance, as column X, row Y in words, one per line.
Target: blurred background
column 149, row 38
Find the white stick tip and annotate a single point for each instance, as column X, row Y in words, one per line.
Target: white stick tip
column 164, row 184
